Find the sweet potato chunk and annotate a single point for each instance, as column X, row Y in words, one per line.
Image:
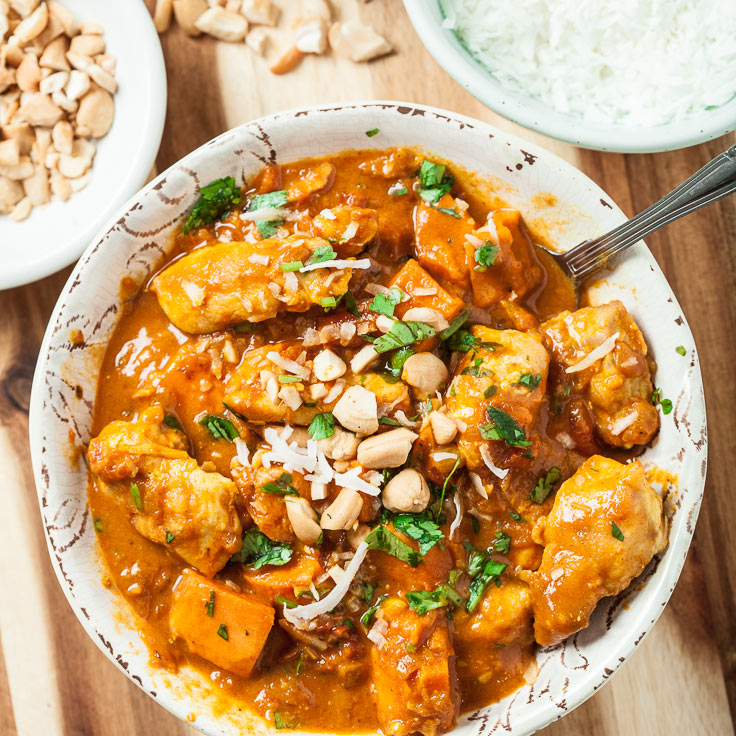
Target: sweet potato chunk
column 289, row 579
column 414, row 672
column 221, row 285
column 440, row 240
column 585, row 556
column 514, row 271
column 233, row 636
column 506, row 370
column 618, row 385
column 412, row 278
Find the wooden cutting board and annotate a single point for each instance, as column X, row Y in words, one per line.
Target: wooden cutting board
column 53, row 679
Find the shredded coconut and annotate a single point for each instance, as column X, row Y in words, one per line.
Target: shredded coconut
column 638, row 62
column 595, row 354
column 624, row 423
column 259, row 259
column 478, row 485
column 288, row 365
column 265, row 214
column 458, row 515
column 352, row 480
column 486, row 455
column 337, row 263
column 242, row 451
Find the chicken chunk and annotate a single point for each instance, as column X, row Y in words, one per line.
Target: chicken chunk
column 513, row 269
column 253, row 389
column 496, row 394
column 350, row 228
column 172, row 501
column 605, row 526
column 414, row 671
column 618, row 385
column 221, row 285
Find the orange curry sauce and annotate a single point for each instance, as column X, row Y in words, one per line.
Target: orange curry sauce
column 325, row 679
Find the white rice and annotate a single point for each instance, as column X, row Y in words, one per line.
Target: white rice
column 638, row 62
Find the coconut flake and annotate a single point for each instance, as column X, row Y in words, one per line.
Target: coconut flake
column 261, row 260
column 347, row 332
column 440, row 456
column 404, row 421
column 242, row 452
column 486, row 455
column 337, row 573
column 374, row 289
column 290, row 366
column 301, row 614
column 352, row 480
column 624, row 422
column 328, row 214
column 565, row 440
column 461, row 425
column 194, row 292
column 350, row 231
column 336, row 390
column 424, row 292
column 458, row 515
column 265, row 214
column 478, row 485
column 595, row 354
column 291, row 282
column 337, row 263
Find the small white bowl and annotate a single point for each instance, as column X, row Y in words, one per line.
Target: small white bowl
column 56, row 234
column 136, row 238
column 459, row 63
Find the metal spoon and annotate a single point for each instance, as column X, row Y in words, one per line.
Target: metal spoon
column 715, row 180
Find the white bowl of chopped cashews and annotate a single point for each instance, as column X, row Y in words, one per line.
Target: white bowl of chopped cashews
column 110, row 290
column 85, row 134
column 633, row 77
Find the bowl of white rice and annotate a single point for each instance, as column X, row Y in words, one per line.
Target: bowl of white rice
column 633, row 76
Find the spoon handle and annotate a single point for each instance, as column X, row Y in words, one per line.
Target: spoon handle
column 715, row 180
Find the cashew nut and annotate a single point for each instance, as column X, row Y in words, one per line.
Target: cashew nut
column 357, row 410
column 425, row 371
column 431, row 317
column 444, row 429
column 343, row 512
column 303, row 519
column 387, row 450
column 328, row 366
column 406, row 492
column 364, row 358
column 341, row 445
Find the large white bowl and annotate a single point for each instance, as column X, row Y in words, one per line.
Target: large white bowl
column 132, row 245
column 56, row 234
column 458, row 62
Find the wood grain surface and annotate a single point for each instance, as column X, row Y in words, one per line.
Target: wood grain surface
column 681, row 680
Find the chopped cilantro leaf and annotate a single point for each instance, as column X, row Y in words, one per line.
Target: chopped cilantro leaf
column 545, row 485
column 291, row 266
column 169, row 537
column 217, row 198
column 423, row 601
column 222, row 632
column 515, row 516
column 322, row 426
column 431, row 173
column 98, row 525
column 386, row 541
column 681, row 350
column 385, row 303
column 321, row 254
column 490, row 391
column 444, row 487
column 290, row 379
column 485, row 256
column 456, row 324
column 502, row 544
column 434, row 182
column 666, row 405
column 268, row 228
column 401, row 334
column 282, row 487
column 367, row 617
column 421, row 529
column 280, row 722
column 503, row 427
column 328, row 302
column 398, row 191
column 219, row 427
column 171, row 421
column 373, row 131
column 389, row 421
column 210, row 605
column 490, row 572
column 475, row 369
column 351, row 305
column 530, row 380
column 616, row 532
column 258, row 550
column 271, row 199
column 448, row 211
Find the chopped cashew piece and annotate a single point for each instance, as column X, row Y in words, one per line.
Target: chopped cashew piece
column 341, row 445
column 406, row 492
column 425, row 371
column 261, row 12
column 444, row 429
column 311, row 37
column 343, row 512
column 95, row 114
column 162, row 15
column 303, row 519
column 430, row 317
column 357, row 410
column 291, row 397
column 387, row 450
column 364, row 358
column 256, row 40
column 222, row 24
column 357, row 41
column 289, row 61
column 187, row 12
column 358, row 535
column 328, row 366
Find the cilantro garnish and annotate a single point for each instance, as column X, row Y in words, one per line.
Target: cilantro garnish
column 545, row 485
column 385, row 303
column 401, row 334
column 483, row 570
column 386, row 541
column 219, row 427
column 280, row 722
column 616, row 532
column 282, row 487
column 268, row 228
column 169, row 537
column 210, row 605
column 135, row 492
column 367, row 617
column 270, row 199
column 485, row 256
column 421, row 529
column 475, row 369
column 423, row 601
column 322, row 426
column 396, row 363
column 321, row 254
column 351, row 305
column 530, row 380
column 448, row 211
column 456, row 324
column 503, row 427
column 373, row 131
column 656, row 399
column 217, row 198
column 171, row 421
column 290, row 379
column 434, row 182
column 258, row 550
column 681, row 350
column 502, row 544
